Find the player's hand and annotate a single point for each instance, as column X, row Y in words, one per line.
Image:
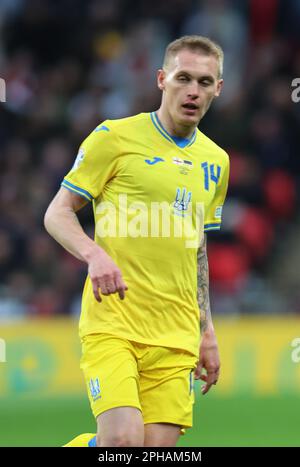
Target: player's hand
column 209, row 360
column 105, row 275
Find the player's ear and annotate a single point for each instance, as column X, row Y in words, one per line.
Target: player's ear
column 219, row 87
column 161, row 79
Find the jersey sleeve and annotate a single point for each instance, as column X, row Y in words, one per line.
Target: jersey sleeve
column 213, row 215
column 95, row 163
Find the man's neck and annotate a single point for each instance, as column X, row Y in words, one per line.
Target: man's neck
column 171, row 127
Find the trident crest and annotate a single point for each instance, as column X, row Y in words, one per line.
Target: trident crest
column 95, row 388
column 182, row 200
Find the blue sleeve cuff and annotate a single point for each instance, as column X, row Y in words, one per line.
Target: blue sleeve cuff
column 79, row 191
column 209, row 227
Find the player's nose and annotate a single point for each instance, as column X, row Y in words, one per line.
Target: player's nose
column 193, row 91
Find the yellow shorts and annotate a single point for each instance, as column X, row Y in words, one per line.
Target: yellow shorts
column 159, row 381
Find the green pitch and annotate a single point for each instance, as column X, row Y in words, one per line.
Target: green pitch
column 231, row 421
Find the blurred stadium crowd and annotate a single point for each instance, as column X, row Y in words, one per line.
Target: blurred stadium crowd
column 68, row 65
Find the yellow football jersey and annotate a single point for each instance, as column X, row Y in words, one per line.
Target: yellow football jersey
column 153, row 196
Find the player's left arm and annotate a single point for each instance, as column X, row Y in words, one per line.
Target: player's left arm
column 208, row 353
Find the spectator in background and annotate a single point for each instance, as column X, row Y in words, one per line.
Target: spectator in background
column 64, row 76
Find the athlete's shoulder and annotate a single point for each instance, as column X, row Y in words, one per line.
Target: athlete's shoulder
column 213, row 147
column 121, row 125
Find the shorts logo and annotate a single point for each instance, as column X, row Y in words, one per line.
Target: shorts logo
column 95, row 388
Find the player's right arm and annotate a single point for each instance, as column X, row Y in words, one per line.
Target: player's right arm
column 62, row 223
column 93, row 168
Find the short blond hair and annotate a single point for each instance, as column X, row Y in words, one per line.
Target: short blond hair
column 195, row 43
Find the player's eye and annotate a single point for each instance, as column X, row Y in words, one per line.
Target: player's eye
column 205, row 82
column 182, row 78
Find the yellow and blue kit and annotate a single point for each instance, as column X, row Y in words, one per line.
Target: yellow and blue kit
column 127, row 168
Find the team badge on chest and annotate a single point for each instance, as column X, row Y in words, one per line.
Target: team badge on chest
column 184, row 165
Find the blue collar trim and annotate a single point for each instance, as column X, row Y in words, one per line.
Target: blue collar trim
column 179, row 141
